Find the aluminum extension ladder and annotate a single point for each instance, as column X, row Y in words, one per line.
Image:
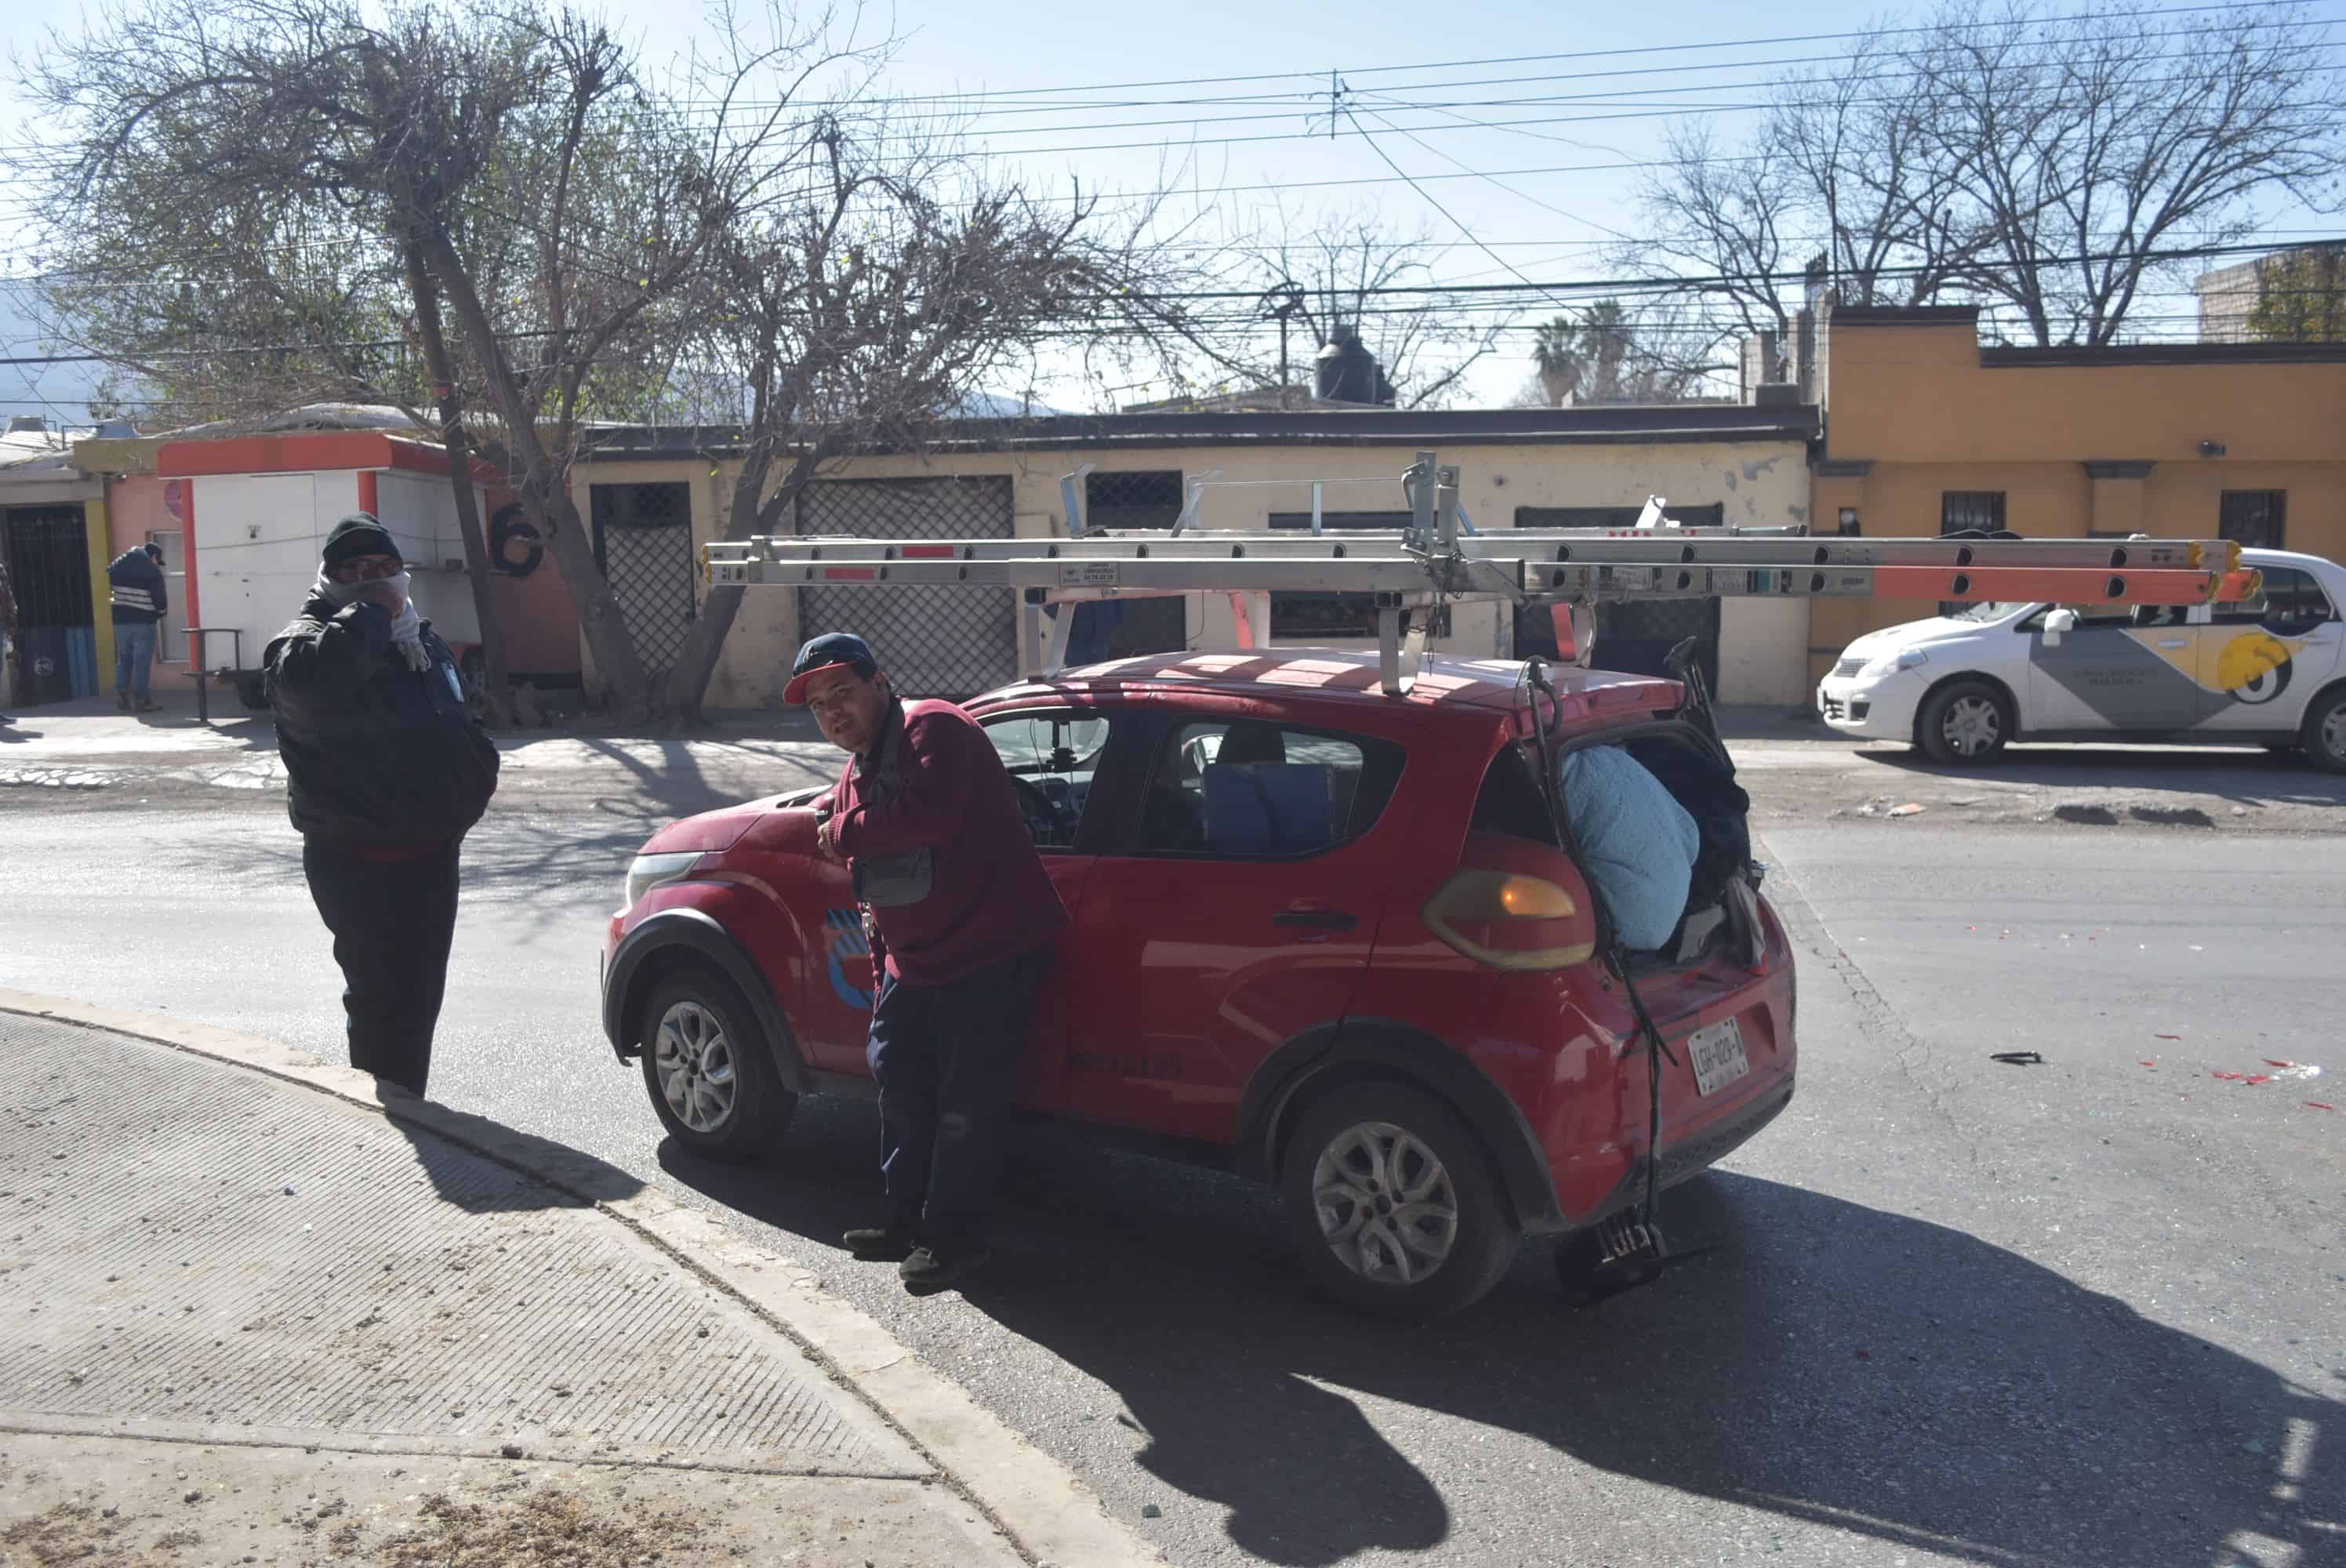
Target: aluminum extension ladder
column 1439, row 558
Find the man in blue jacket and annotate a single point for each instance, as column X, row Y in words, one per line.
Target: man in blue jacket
column 386, row 769
column 140, row 602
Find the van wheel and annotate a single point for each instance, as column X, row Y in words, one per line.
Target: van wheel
column 1392, row 1204
column 2325, row 737
column 709, row 1069
column 1965, row 723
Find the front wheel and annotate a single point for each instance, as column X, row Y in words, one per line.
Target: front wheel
column 1965, row 723
column 1392, row 1204
column 2324, row 736
column 709, row 1069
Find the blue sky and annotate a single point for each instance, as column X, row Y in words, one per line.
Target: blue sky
column 1018, row 65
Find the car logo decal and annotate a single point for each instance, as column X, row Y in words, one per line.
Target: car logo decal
column 2254, row 666
column 843, row 937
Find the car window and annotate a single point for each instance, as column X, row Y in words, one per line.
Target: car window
column 1052, row 754
column 1253, row 790
column 2088, row 617
column 2290, row 601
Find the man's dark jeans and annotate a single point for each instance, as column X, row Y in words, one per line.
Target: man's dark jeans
column 946, row 1060
column 392, row 923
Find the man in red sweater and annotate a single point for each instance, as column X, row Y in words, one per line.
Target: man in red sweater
column 962, row 918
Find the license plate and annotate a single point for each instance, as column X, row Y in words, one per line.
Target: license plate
column 1717, row 1055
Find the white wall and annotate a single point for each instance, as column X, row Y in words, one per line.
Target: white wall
column 257, row 541
column 420, row 512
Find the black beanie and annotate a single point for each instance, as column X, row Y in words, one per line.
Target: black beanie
column 359, row 534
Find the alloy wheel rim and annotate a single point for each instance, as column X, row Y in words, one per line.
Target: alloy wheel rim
column 1386, row 1205
column 694, row 1058
column 1972, row 725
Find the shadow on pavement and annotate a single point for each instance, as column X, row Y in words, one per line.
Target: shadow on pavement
column 1830, row 1362
column 450, row 1155
column 2244, row 778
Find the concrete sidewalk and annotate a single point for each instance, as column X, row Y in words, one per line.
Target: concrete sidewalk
column 242, row 1319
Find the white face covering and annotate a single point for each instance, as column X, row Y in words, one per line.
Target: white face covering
column 406, row 629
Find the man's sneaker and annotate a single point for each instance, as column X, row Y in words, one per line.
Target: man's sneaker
column 122, row 700
column 927, row 1271
column 148, row 705
column 880, row 1244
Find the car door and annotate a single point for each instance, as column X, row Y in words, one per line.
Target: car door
column 2117, row 669
column 1056, row 755
column 2260, row 659
column 1239, row 911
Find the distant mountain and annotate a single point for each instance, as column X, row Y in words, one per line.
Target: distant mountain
column 1001, row 405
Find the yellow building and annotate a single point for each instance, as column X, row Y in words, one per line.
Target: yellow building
column 653, row 495
column 1928, row 431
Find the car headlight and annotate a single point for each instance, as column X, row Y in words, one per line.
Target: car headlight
column 648, row 871
column 1891, row 663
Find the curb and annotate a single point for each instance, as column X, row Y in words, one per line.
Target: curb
column 1048, row 1515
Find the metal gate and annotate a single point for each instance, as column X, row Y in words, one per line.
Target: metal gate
column 933, row 641
column 57, row 639
column 643, row 543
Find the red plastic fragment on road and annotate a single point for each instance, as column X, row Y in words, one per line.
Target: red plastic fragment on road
column 1865, row 1355
column 2149, row 1062
column 2167, row 1036
column 2320, row 1106
column 2258, row 1078
column 2235, row 1077
column 2270, row 1062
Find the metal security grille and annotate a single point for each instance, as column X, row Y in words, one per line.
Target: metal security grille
column 933, row 641
column 643, row 543
column 1970, row 511
column 1712, row 515
column 1635, row 638
column 2257, row 518
column 1149, row 498
column 48, row 560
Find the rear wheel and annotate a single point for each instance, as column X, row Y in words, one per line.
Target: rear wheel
column 1392, row 1204
column 2325, row 737
column 709, row 1069
column 1965, row 723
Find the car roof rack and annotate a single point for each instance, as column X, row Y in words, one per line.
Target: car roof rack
column 1441, row 558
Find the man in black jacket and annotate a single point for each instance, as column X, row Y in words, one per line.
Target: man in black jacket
column 386, row 771
column 140, row 603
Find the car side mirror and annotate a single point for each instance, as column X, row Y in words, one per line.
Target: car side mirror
column 2058, row 625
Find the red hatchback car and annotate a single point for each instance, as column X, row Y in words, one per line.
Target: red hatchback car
column 1321, row 933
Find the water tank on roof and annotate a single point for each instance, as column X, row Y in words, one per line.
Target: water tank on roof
column 1344, row 370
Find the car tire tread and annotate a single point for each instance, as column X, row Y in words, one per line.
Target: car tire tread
column 763, row 1107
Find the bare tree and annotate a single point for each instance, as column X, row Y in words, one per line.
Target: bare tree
column 558, row 206
column 2052, row 162
column 1354, row 270
column 866, row 306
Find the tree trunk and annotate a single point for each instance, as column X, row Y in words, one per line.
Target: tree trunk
column 546, row 494
column 494, row 673
column 687, row 683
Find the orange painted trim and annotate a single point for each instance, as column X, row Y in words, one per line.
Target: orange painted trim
column 310, row 450
column 367, row 492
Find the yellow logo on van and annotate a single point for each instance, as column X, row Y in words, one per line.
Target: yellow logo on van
column 2254, row 666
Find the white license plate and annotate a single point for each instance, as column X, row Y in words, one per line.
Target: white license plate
column 1717, row 1055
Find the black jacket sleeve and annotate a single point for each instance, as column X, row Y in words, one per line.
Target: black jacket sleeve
column 315, row 660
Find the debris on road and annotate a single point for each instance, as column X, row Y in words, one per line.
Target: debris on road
column 2294, row 1069
column 2320, row 1106
column 2017, row 1058
column 1912, row 809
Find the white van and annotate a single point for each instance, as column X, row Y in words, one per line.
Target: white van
column 2266, row 670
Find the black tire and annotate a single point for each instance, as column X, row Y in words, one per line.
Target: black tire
column 743, row 1109
column 1353, row 1128
column 2324, row 735
column 1964, row 724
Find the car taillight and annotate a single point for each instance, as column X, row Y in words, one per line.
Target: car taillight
column 1514, row 905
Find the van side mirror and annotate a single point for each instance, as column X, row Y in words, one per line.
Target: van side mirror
column 2059, row 624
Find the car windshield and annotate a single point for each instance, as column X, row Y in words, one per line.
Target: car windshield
column 1993, row 610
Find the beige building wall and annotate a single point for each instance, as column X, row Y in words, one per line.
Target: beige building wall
column 1763, row 644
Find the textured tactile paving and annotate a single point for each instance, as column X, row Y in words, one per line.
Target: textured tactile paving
column 157, row 1275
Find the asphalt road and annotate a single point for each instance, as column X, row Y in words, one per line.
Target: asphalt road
column 2086, row 1312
